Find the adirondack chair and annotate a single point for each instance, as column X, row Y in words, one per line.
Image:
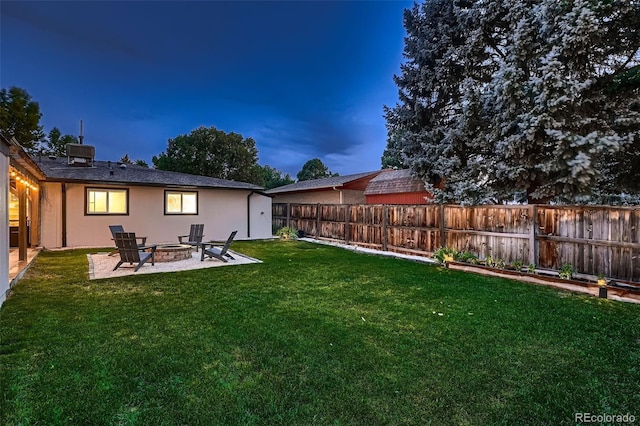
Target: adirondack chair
column 131, row 252
column 120, row 228
column 217, row 252
column 195, row 236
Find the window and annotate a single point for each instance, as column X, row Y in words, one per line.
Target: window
column 180, row 202
column 107, row 201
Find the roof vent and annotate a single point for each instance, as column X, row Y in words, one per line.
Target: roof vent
column 80, row 155
column 123, row 166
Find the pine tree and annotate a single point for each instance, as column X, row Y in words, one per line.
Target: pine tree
column 539, row 97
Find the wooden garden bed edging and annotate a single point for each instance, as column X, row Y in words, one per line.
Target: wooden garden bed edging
column 614, row 292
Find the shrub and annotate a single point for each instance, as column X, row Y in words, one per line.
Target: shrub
column 440, row 254
column 287, row 233
column 531, row 268
column 566, row 272
column 517, row 265
column 467, row 257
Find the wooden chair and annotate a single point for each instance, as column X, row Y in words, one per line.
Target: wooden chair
column 194, row 237
column 120, row 228
column 131, row 252
column 217, row 252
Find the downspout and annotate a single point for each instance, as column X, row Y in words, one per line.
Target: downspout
column 341, row 200
column 64, row 214
column 249, row 213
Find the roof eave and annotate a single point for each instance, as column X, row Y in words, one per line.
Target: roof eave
column 315, row 188
column 153, row 184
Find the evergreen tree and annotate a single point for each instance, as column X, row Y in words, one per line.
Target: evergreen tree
column 127, row 160
column 392, row 155
column 502, row 97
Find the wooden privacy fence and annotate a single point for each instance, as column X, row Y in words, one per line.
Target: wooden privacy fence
column 594, row 239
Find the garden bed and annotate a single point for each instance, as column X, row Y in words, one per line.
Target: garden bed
column 627, row 291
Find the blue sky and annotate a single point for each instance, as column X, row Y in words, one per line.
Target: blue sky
column 304, row 79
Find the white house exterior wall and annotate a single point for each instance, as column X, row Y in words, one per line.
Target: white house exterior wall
column 51, row 214
column 329, row 196
column 4, row 229
column 221, row 211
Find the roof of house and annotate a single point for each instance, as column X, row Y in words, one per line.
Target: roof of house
column 315, row 184
column 107, row 172
column 19, row 157
column 394, row 182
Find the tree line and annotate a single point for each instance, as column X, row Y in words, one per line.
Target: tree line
column 205, row 151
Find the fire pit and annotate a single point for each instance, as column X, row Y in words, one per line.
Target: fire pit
column 173, row 252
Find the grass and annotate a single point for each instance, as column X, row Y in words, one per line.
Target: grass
column 314, row 335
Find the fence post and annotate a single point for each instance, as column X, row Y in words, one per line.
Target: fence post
column 533, row 221
column 385, row 213
column 443, row 239
column 318, row 220
column 347, row 226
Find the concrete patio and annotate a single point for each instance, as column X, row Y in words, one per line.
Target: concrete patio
column 16, row 266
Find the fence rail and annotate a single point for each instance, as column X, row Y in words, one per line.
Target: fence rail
column 594, row 239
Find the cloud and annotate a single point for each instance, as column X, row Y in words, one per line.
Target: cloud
column 72, row 24
column 287, row 143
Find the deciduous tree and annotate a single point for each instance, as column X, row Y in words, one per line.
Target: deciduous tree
column 56, row 143
column 20, row 118
column 273, row 178
column 208, row 151
column 314, row 169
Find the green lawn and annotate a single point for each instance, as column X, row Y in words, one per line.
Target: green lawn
column 314, row 335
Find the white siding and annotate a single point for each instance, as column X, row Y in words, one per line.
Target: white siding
column 4, row 227
column 51, row 214
column 221, row 211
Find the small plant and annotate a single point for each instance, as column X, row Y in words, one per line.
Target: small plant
column 467, row 257
column 490, row 261
column 287, row 233
column 531, row 268
column 566, row 272
column 445, row 254
column 499, row 263
column 517, row 265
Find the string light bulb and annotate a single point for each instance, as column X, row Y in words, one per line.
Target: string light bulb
column 26, row 180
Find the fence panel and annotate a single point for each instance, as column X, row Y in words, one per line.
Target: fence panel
column 594, row 239
column 493, row 231
column 279, row 215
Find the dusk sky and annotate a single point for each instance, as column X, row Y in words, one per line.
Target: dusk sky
column 304, row 79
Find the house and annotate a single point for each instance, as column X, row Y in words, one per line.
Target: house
column 19, row 195
column 396, row 187
column 347, row 189
column 5, row 146
column 70, row 202
column 79, row 202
